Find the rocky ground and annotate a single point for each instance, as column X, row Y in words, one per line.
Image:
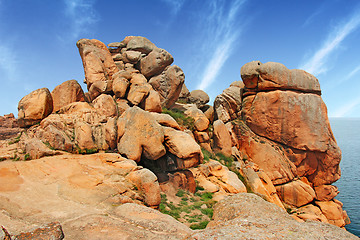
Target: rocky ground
column 138, row 156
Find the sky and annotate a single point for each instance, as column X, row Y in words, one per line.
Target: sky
column 210, row 41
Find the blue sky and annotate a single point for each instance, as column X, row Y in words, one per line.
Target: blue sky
column 209, row 40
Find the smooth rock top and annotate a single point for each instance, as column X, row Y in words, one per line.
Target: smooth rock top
column 274, row 75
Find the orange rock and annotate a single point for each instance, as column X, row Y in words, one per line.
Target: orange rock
column 65, row 93
column 168, row 84
column 261, row 184
column 142, row 136
column 272, row 75
column 105, row 106
column 34, row 107
column 201, row 122
column 97, row 61
column 147, row 182
column 154, row 63
column 227, row 105
column 311, row 212
column 184, row 147
column 152, row 102
column 332, row 212
column 296, row 193
column 268, row 155
column 222, row 138
column 326, row 192
column 307, row 129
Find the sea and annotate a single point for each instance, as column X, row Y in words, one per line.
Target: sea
column 347, row 135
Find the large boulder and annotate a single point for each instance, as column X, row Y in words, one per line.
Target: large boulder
column 183, row 146
column 199, row 97
column 268, row 155
column 34, row 107
column 247, row 216
column 154, row 63
column 65, row 93
column 97, row 61
column 296, row 193
column 285, row 106
column 222, row 138
column 140, row 44
column 227, row 105
column 169, row 85
column 272, row 75
column 141, row 135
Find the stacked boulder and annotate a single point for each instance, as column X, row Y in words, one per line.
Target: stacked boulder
column 284, row 130
column 121, row 112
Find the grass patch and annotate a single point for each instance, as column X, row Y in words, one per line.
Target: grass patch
column 27, row 157
column 200, row 225
column 16, row 139
column 180, row 118
column 180, row 193
column 194, row 210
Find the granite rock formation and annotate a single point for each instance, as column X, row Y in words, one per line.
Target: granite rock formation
column 97, row 165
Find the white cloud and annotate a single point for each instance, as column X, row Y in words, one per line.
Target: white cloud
column 8, row 62
column 175, row 5
column 82, row 15
column 222, row 32
column 317, row 63
column 347, row 108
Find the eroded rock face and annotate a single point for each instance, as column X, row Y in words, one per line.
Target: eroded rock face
column 273, row 94
column 67, row 92
column 198, row 97
column 155, row 62
column 34, row 107
column 227, row 105
column 97, row 61
column 247, row 216
column 169, row 85
column 142, row 136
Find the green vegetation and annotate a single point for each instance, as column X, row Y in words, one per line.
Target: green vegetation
column 200, row 225
column 27, row 157
column 180, row 118
column 195, row 210
column 16, row 140
column 49, row 145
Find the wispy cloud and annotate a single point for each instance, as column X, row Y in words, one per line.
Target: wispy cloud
column 222, row 32
column 82, row 16
column 317, row 63
column 175, row 5
column 347, row 108
column 8, row 63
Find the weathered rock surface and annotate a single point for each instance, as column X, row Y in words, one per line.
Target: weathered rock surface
column 65, row 93
column 218, row 179
column 296, row 193
column 97, row 61
column 227, row 105
column 154, row 63
column 247, row 216
column 34, row 107
column 9, row 127
column 272, row 75
column 268, row 155
column 184, row 147
column 222, row 138
column 198, row 97
column 142, row 136
column 169, row 85
column 272, row 94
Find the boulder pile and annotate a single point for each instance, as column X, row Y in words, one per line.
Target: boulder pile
column 138, row 133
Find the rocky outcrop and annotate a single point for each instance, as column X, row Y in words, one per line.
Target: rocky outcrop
column 227, row 105
column 247, row 216
column 92, row 158
column 9, row 127
column 273, row 94
column 34, row 107
column 66, row 93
